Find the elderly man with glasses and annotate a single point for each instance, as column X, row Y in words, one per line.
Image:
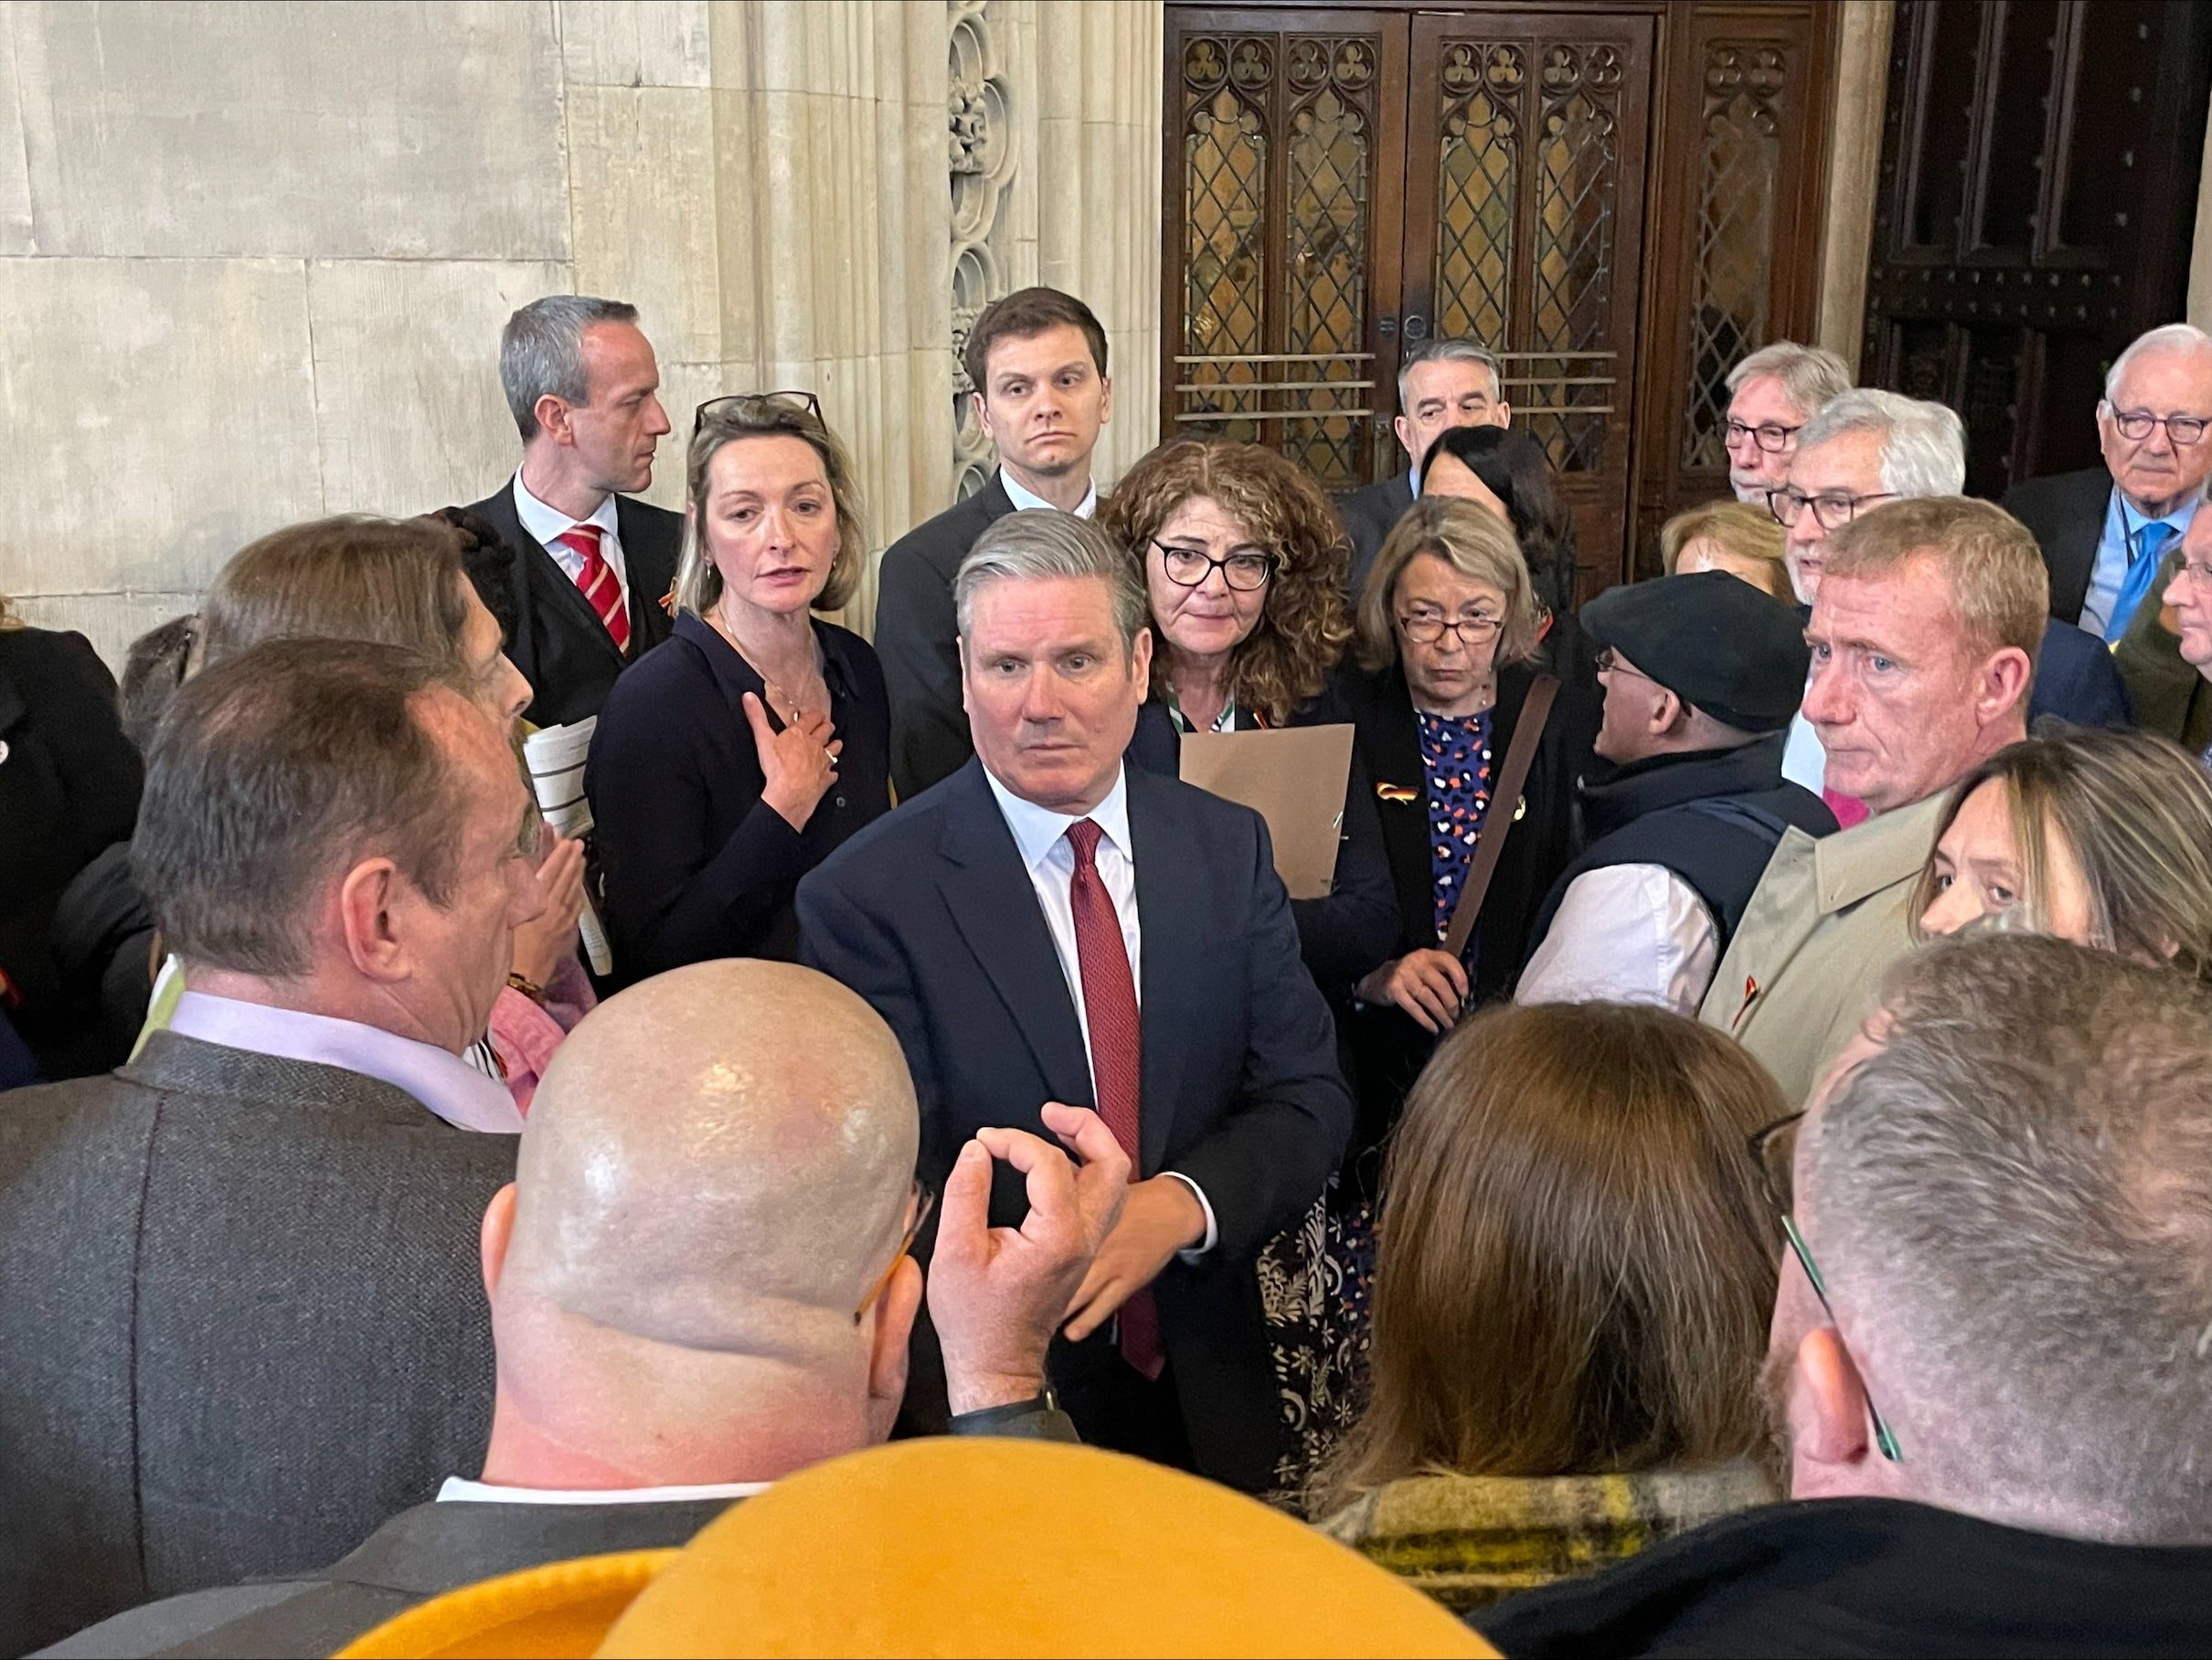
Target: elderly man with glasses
column 2188, row 596
column 1869, row 447
column 2112, row 534
column 1772, row 394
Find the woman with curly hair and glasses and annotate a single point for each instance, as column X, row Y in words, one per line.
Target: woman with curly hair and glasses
column 1244, row 568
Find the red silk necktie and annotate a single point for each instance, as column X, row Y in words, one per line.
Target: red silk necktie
column 600, row 587
column 1117, row 1052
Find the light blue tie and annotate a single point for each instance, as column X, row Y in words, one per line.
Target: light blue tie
column 2151, row 542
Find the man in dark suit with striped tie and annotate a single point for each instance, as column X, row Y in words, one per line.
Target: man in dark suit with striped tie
column 591, row 567
column 1050, row 925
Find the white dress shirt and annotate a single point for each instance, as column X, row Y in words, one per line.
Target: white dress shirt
column 458, row 1491
column 2117, row 544
column 1024, row 500
column 547, row 524
column 1040, row 836
column 437, row 1078
column 1626, row 933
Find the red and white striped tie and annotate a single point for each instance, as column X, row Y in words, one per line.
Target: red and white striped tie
column 599, row 583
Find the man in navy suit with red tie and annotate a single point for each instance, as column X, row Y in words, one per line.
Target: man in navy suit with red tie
column 590, row 565
column 1047, row 924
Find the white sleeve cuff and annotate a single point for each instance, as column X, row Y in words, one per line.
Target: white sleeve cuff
column 1213, row 1228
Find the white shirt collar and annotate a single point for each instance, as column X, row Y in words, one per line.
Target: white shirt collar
column 1037, row 830
column 1021, row 499
column 442, row 1081
column 544, row 524
column 459, row 1491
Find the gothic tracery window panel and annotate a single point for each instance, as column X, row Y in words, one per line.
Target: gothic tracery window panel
column 1326, row 233
column 1741, row 172
column 1476, row 176
column 1578, row 156
column 1225, row 214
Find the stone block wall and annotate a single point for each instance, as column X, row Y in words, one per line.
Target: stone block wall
column 254, row 257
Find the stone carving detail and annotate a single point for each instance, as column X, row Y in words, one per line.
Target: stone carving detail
column 980, row 163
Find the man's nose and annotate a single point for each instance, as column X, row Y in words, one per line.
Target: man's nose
column 1826, row 702
column 1041, row 701
column 657, row 418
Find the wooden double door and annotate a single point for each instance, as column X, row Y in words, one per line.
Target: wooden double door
column 1619, row 201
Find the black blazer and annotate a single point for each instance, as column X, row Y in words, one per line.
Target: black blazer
column 69, row 789
column 245, row 1324
column 2066, row 515
column 562, row 648
column 698, row 865
column 918, row 637
column 930, row 915
column 1369, row 516
column 418, row 1554
column 1392, row 1046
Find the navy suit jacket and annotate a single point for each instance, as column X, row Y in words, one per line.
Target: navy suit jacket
column 1369, row 516
column 930, row 915
column 2077, row 680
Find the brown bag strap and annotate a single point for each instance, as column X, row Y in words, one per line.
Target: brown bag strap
column 1520, row 755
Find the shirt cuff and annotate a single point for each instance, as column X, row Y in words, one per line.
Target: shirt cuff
column 1213, row 1228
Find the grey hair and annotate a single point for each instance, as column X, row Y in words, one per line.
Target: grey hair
column 1923, row 443
column 541, row 350
column 1040, row 543
column 1810, row 375
column 2165, row 337
column 2011, row 1203
column 1450, row 348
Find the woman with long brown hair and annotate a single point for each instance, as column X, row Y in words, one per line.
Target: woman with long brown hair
column 1571, row 1302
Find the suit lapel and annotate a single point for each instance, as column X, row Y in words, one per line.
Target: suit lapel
column 1171, row 917
column 994, row 905
column 539, row 577
column 652, row 561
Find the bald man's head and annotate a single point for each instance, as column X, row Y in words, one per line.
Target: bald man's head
column 718, row 1160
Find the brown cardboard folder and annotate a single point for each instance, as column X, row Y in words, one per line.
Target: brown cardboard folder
column 1293, row 777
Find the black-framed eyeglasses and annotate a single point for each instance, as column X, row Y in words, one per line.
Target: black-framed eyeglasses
column 1426, row 627
column 745, row 402
column 1609, row 661
column 1770, row 435
column 1833, row 512
column 2136, row 424
column 1246, row 570
column 923, row 1201
column 1775, row 1150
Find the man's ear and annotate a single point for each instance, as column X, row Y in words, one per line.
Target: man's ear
column 1140, row 659
column 368, row 896
column 493, row 1238
column 1669, row 713
column 2003, row 683
column 1831, row 1449
column 894, row 1314
column 1505, row 411
column 1404, row 429
column 1105, row 400
column 982, row 413
column 553, row 418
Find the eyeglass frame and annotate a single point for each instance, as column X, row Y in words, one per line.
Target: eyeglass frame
column 1609, row 660
column 1274, row 564
column 806, row 400
column 1758, row 1144
column 2119, row 418
column 1455, row 625
column 1731, row 427
column 1851, row 504
column 924, row 1200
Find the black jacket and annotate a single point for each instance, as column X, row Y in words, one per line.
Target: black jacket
column 918, row 638
column 69, row 789
column 562, row 648
column 1869, row 1577
column 245, row 1324
column 930, row 915
column 698, row 865
column 2066, row 515
column 1713, row 819
column 1369, row 516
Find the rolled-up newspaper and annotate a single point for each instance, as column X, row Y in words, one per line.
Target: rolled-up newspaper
column 555, row 758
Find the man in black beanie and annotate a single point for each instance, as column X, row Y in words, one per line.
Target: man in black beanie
column 1701, row 675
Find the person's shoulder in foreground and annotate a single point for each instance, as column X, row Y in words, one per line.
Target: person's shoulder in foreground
column 1870, row 1577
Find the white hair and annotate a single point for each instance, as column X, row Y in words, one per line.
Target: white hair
column 1923, row 443
column 2165, row 337
column 1810, row 375
column 1450, row 348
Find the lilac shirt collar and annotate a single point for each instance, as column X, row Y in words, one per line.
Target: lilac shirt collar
column 443, row 1083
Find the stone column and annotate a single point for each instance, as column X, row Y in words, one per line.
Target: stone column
column 1855, row 174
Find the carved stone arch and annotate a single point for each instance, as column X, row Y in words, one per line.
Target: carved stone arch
column 980, row 160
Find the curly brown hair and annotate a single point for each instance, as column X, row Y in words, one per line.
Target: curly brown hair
column 1304, row 625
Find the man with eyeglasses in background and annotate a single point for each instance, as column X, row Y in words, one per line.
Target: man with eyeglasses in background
column 1987, row 1368
column 1867, row 447
column 2188, row 597
column 1772, row 394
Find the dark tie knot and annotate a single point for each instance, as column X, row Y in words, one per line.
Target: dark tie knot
column 1083, row 836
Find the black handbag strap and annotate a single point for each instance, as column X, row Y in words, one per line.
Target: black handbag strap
column 1520, row 755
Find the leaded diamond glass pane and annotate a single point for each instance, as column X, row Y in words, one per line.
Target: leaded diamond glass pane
column 1327, row 256
column 1225, row 198
column 1742, row 159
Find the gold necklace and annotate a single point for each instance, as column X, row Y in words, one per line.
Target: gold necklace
column 777, row 696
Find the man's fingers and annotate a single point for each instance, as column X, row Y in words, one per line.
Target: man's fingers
column 963, row 1214
column 1085, row 1132
column 1094, row 1302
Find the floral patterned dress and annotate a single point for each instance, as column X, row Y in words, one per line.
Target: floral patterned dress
column 1455, row 753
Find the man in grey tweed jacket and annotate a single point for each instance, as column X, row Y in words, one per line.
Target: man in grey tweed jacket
column 241, row 1321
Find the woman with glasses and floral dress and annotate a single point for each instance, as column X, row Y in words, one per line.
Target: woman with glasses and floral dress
column 737, row 754
column 1447, row 660
column 1244, row 569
